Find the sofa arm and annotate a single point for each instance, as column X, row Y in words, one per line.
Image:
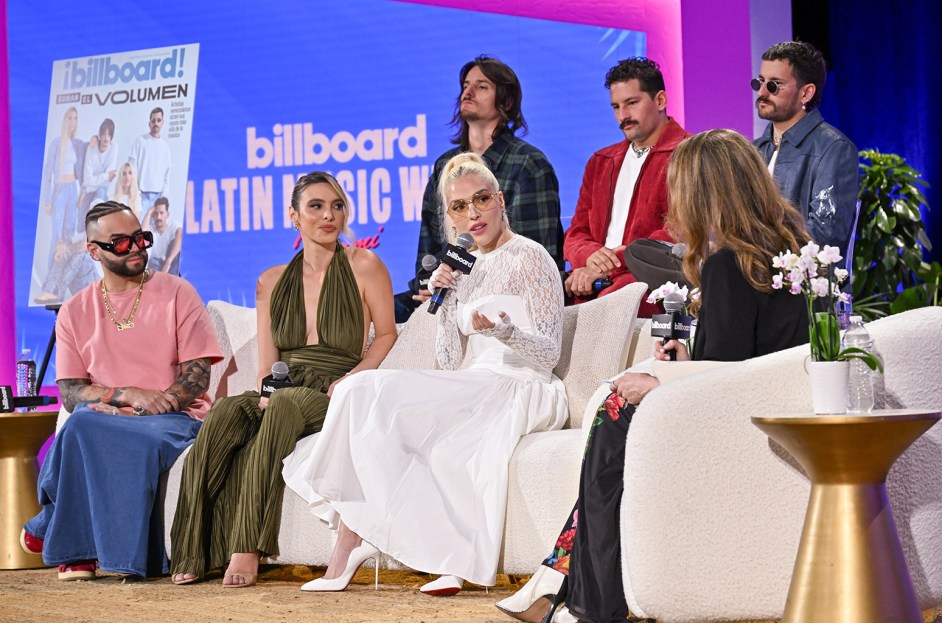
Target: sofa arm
column 712, row 513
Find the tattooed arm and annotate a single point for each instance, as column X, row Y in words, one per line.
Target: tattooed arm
column 118, row 400
column 191, row 384
column 74, row 391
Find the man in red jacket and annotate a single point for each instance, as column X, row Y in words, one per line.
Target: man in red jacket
column 624, row 187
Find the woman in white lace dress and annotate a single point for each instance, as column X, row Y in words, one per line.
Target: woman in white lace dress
column 414, row 463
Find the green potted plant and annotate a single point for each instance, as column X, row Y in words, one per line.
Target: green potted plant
column 890, row 233
column 924, row 294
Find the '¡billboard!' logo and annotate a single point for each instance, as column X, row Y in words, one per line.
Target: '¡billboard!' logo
column 101, row 71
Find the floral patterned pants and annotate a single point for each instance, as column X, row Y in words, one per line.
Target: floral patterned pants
column 588, row 549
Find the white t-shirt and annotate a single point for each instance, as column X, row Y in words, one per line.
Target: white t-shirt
column 624, row 190
column 162, row 241
column 772, row 162
column 97, row 166
column 150, row 158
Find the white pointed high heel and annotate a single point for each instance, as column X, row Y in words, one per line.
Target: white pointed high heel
column 543, row 585
column 358, row 556
column 444, row 586
column 564, row 616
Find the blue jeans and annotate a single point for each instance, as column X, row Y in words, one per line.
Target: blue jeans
column 64, row 207
column 98, row 487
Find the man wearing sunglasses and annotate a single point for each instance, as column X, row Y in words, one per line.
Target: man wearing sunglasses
column 150, row 156
column 814, row 164
column 133, row 354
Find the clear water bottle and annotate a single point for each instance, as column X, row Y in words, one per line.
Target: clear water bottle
column 26, row 375
column 860, row 382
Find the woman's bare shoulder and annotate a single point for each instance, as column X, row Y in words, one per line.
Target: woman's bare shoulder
column 269, row 277
column 365, row 264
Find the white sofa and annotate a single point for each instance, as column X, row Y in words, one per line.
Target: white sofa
column 600, row 339
column 713, row 511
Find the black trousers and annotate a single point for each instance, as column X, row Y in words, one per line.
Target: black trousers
column 595, row 592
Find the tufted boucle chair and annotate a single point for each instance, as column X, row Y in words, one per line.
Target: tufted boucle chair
column 712, row 511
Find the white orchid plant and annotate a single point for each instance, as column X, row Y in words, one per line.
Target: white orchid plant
column 812, row 273
column 659, row 294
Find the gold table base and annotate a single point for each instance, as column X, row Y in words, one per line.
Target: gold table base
column 21, row 437
column 850, row 566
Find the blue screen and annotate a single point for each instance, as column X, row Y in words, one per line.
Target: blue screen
column 362, row 89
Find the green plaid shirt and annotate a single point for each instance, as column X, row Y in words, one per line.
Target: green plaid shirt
column 531, row 193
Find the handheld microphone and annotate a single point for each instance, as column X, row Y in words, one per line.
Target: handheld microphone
column 673, row 325
column 600, row 284
column 459, row 259
column 429, row 263
column 278, row 379
column 9, row 402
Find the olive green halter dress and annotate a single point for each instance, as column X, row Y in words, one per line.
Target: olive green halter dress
column 231, row 490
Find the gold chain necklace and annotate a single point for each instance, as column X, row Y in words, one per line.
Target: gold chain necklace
column 127, row 323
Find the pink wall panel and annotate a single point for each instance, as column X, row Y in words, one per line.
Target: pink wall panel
column 7, row 302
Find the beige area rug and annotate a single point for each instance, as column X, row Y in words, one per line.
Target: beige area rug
column 36, row 596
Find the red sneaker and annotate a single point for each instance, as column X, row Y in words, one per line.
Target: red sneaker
column 30, row 544
column 78, row 570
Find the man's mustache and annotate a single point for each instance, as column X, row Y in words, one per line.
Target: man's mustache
column 627, row 123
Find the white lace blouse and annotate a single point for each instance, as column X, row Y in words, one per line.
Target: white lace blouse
column 520, row 279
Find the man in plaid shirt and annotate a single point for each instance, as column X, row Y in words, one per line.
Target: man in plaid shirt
column 487, row 115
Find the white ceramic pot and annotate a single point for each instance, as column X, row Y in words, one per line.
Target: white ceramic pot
column 828, row 385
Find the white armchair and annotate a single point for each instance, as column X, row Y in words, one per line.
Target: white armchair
column 712, row 511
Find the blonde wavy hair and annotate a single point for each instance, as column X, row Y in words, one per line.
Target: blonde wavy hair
column 65, row 136
column 130, row 196
column 466, row 163
column 722, row 196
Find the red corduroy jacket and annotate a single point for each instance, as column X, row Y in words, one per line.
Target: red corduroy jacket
column 646, row 215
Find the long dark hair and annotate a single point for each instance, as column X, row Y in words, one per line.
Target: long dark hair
column 508, row 100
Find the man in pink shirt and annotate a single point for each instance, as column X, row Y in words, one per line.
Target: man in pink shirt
column 132, row 363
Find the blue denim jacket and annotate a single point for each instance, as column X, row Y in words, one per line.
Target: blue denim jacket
column 817, row 170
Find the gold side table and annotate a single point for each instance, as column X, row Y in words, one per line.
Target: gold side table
column 850, row 565
column 21, row 437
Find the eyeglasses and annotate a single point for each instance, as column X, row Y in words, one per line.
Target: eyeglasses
column 772, row 86
column 458, row 209
column 122, row 244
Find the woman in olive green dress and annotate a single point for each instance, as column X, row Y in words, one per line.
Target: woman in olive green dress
column 314, row 313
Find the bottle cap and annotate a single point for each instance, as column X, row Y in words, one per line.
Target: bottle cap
column 856, row 319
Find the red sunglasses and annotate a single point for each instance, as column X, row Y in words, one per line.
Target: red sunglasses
column 121, row 245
